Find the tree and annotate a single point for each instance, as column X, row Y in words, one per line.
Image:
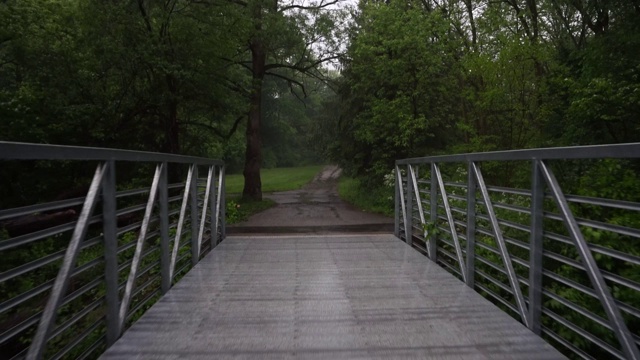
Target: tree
column 286, row 38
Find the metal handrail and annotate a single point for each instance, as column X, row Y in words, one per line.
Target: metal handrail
column 430, row 214
column 150, row 264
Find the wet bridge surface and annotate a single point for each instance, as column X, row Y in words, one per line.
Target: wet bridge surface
column 326, row 297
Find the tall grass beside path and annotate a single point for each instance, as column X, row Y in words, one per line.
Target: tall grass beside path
column 371, row 199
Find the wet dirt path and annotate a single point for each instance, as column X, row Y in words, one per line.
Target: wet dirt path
column 314, row 208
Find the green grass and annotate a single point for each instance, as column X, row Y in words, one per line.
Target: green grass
column 278, row 179
column 239, row 210
column 376, row 200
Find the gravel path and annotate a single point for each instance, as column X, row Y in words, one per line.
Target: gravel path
column 314, row 208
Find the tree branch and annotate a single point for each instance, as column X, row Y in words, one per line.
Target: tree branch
column 322, row 5
column 290, row 81
column 216, row 130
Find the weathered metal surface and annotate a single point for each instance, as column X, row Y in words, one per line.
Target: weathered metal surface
column 329, row 297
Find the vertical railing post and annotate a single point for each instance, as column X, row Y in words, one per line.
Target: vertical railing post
column 433, row 201
column 213, row 214
column 109, row 229
column 223, row 205
column 471, row 225
column 535, row 248
column 396, row 222
column 409, row 198
column 165, row 259
column 195, row 256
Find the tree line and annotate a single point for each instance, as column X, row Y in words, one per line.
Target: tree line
column 449, row 76
column 232, row 79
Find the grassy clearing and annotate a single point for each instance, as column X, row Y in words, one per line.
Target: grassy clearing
column 376, row 200
column 278, row 179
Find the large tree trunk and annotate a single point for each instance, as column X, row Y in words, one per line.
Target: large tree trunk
column 253, row 159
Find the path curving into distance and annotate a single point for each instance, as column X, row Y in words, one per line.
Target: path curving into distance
column 316, row 208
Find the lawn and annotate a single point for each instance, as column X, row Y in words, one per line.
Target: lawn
column 278, row 179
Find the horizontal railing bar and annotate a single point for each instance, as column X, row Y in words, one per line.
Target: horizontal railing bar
column 617, row 204
column 36, row 317
column 585, row 290
column 607, row 275
column 450, row 267
column 76, row 317
column 622, row 230
column 565, row 343
column 448, row 254
column 497, row 298
column 176, row 186
column 596, row 248
column 511, row 207
column 494, row 281
column 128, row 262
column 143, row 286
column 24, row 151
column 142, row 302
column 131, row 209
column 100, row 342
column 508, row 223
column 83, row 335
column 488, row 247
column 615, row 151
column 584, row 334
column 29, row 294
column 635, row 260
column 186, row 265
column 490, row 264
column 506, row 190
column 25, row 324
column 37, row 235
column 456, row 197
column 579, row 309
column 43, row 261
column 456, row 184
column 37, row 208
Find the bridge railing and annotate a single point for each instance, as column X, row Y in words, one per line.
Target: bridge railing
column 77, row 270
column 566, row 266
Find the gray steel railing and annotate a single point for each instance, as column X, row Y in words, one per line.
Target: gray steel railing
column 566, row 266
column 69, row 288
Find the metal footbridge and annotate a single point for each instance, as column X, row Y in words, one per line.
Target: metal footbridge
column 118, row 254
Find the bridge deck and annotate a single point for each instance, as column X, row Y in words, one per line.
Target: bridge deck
column 328, row 297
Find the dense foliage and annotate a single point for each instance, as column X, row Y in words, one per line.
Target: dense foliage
column 173, row 76
column 427, row 77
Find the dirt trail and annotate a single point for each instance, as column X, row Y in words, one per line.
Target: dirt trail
column 315, row 208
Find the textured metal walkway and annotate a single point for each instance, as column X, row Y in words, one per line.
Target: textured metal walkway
column 325, row 297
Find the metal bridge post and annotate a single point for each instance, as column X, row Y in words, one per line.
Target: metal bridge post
column 109, row 228
column 535, row 248
column 223, row 205
column 409, row 198
column 433, row 201
column 471, row 225
column 195, row 256
column 396, row 212
column 164, row 230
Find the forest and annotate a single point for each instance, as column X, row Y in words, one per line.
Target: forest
column 276, row 83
